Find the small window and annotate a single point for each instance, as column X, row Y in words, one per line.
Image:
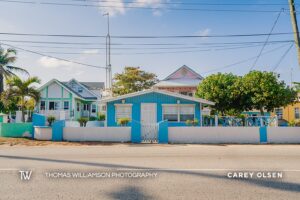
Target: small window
column 123, row 111
column 94, row 108
column 80, row 89
column 54, row 105
column 170, row 113
column 43, row 105
column 187, row 112
column 279, row 112
column 297, row 113
column 78, row 107
column 86, row 107
column 66, row 105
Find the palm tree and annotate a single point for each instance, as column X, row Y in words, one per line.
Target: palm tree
column 22, row 90
column 7, row 58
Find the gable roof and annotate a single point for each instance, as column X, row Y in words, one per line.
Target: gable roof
column 93, row 85
column 173, row 94
column 93, row 97
column 69, row 89
column 198, row 76
column 84, row 87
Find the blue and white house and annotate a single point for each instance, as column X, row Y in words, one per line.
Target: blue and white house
column 71, row 99
column 150, row 107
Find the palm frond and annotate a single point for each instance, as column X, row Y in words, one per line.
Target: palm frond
column 17, row 69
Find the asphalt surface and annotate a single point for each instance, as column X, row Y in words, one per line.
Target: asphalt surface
column 182, row 172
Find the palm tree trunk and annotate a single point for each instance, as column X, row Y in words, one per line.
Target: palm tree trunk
column 1, row 83
column 262, row 113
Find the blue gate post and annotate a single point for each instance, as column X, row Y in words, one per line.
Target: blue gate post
column 57, row 130
column 163, row 134
column 135, row 132
column 38, row 120
column 263, row 134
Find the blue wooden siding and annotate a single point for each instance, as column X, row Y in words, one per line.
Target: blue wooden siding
column 153, row 97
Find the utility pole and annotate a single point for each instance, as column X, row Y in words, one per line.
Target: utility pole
column 291, row 77
column 108, row 64
column 295, row 27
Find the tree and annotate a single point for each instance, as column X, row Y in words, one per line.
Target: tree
column 266, row 91
column 224, row 90
column 22, row 91
column 132, row 80
column 7, row 58
column 297, row 86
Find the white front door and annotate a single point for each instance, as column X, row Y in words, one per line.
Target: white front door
column 149, row 122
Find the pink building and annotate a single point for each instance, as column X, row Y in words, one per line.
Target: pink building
column 184, row 81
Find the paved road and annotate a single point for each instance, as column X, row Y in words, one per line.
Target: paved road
column 183, row 172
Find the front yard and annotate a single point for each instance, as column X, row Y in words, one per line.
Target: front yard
column 4, row 141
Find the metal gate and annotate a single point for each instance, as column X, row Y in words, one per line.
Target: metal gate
column 148, row 122
column 149, row 133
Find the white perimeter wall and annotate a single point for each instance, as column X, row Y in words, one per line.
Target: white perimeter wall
column 214, row 135
column 283, row 134
column 42, row 133
column 101, row 134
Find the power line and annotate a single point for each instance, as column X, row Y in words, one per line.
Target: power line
column 263, row 47
column 142, row 44
column 185, row 3
column 243, row 61
column 62, row 59
column 150, row 48
column 282, row 57
column 156, row 52
column 140, row 7
column 147, row 37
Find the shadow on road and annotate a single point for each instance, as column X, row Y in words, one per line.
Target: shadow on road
column 129, row 192
column 268, row 183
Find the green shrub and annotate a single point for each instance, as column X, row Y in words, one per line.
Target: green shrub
column 50, row 120
column 193, row 122
column 82, row 121
column 123, row 121
column 292, row 123
column 93, row 119
column 101, row 116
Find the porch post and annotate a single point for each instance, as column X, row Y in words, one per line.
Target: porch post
column 216, row 121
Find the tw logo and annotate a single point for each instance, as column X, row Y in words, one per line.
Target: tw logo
column 25, row 175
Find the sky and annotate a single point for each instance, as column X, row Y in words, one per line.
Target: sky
column 161, row 56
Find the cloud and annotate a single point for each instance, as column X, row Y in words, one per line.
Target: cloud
column 204, row 32
column 52, row 62
column 112, row 7
column 119, row 6
column 92, row 51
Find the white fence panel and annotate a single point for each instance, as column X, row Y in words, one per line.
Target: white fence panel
column 72, row 124
column 43, row 133
column 101, row 134
column 283, row 134
column 214, row 135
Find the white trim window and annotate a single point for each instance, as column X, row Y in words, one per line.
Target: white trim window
column 54, row 105
column 187, row 112
column 43, row 105
column 178, row 112
column 297, row 113
column 94, row 108
column 66, row 105
column 170, row 113
column 123, row 111
column 279, row 112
